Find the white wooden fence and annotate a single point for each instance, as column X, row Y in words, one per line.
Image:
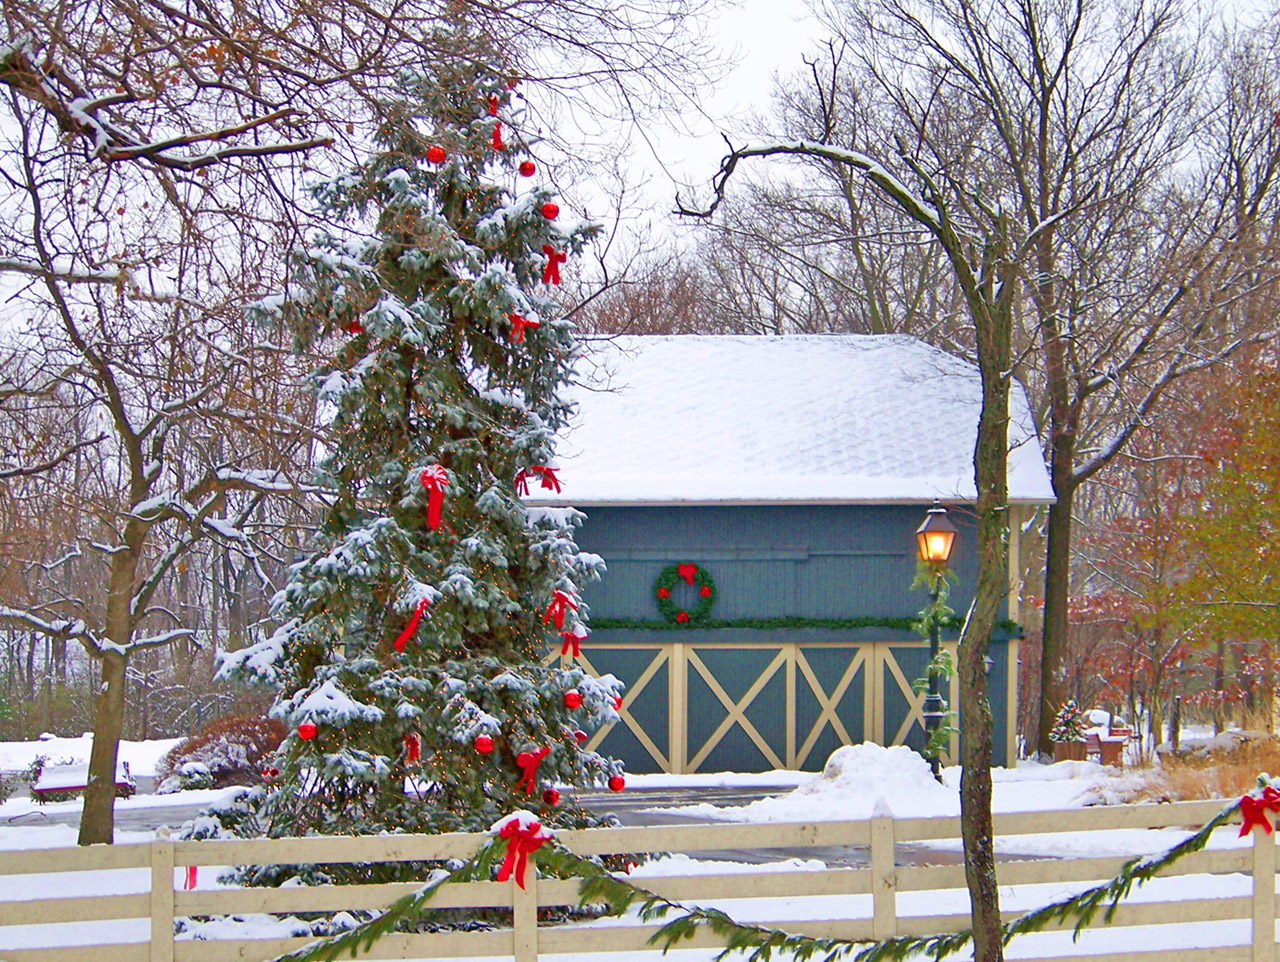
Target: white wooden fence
column 875, row 915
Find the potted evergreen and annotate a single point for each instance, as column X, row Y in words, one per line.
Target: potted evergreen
column 1067, row 733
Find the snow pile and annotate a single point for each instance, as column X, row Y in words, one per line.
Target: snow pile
column 141, row 757
column 855, row 779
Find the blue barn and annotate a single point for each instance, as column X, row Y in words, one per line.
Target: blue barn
column 755, row 500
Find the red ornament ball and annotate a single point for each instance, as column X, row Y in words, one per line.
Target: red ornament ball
column 527, row 168
column 617, row 702
column 435, row 155
column 550, row 211
column 307, row 731
column 580, row 735
column 705, row 591
column 269, row 773
column 572, row 699
column 551, row 796
column 617, row 783
column 484, row 744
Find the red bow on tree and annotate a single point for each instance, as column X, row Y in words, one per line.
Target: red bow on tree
column 560, row 602
column 412, row 626
column 687, row 571
column 1255, row 810
column 529, row 762
column 548, row 475
column 572, row 641
column 522, row 841
column 493, row 106
column 435, row 481
column 551, row 273
column 518, row 324
column 497, row 137
column 412, row 748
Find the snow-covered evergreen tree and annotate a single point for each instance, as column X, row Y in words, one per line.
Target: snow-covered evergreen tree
column 409, row 659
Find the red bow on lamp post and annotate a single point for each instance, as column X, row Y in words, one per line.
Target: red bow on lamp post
column 435, row 480
column 411, row 627
column 529, row 762
column 551, row 273
column 523, row 839
column 518, row 324
column 1255, row 810
column 561, row 601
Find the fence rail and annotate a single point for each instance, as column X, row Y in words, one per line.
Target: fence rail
column 875, row 914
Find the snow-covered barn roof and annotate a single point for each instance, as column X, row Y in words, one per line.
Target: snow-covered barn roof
column 814, row 418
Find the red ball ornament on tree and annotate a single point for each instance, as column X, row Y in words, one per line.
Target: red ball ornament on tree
column 617, row 702
column 551, row 796
column 307, row 731
column 435, row 155
column 580, row 735
column 572, row 699
column 484, row 744
column 617, row 783
column 550, row 211
column 527, row 168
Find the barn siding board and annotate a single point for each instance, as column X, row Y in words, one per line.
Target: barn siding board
column 814, row 561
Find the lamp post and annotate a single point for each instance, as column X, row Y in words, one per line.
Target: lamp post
column 935, row 538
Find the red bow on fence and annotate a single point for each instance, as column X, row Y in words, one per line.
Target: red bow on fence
column 529, row 762
column 1255, row 810
column 412, row 626
column 518, row 324
column 522, row 841
column 551, row 273
column 687, row 571
column 435, row 481
column 560, row 602
column 572, row 640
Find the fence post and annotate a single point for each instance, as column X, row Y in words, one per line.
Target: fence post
column 524, row 922
column 162, row 897
column 884, row 882
column 1264, row 896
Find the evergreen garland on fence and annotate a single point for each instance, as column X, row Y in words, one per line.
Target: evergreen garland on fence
column 600, row 886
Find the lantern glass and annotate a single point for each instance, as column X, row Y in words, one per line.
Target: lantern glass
column 936, row 536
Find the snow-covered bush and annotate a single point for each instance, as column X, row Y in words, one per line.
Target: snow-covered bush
column 229, row 751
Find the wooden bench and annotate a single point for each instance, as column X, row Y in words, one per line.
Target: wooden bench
column 60, row 782
column 1108, row 748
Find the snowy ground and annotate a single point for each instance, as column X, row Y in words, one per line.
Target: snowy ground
column 856, row 781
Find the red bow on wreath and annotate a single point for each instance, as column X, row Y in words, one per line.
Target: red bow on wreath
column 435, row 481
column 529, row 762
column 522, row 841
column 412, row 626
column 518, row 324
column 560, row 602
column 551, row 273
column 1255, row 810
column 687, row 571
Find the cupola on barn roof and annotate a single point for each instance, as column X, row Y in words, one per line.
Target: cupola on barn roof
column 707, row 419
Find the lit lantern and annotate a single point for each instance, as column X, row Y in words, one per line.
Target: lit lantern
column 936, row 536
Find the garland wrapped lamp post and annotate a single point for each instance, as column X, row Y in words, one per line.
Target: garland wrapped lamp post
column 935, row 537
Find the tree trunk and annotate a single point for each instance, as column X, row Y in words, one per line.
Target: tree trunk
column 1057, row 572
column 97, row 823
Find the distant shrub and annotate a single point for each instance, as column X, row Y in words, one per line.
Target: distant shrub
column 225, row 752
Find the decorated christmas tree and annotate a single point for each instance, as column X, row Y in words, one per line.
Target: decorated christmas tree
column 1068, row 724
column 410, row 657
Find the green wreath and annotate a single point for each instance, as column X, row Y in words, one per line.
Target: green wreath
column 672, row 575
